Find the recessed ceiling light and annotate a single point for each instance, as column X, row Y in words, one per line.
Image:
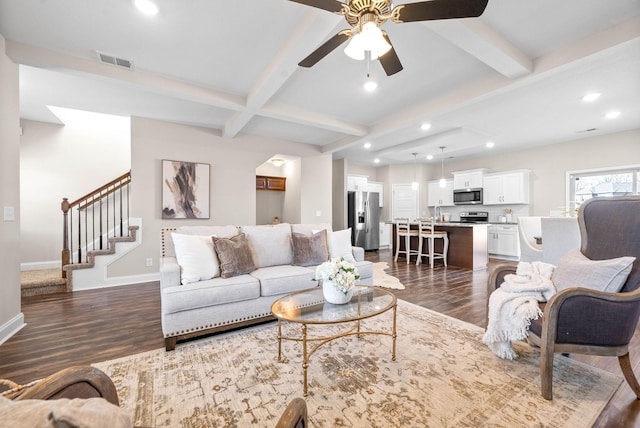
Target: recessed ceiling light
column 425, row 126
column 146, row 6
column 612, row 115
column 429, row 157
column 367, row 145
column 591, row 97
column 490, row 144
column 376, row 160
column 370, row 85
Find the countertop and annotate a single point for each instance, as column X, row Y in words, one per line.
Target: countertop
column 449, row 224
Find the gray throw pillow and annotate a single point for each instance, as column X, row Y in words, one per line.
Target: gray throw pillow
column 310, row 250
column 235, row 255
column 576, row 270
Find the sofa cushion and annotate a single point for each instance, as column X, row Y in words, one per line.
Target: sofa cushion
column 234, row 254
column 216, row 291
column 167, row 249
column 365, row 269
column 576, row 270
column 271, row 245
column 282, row 279
column 340, row 245
column 309, row 250
column 196, row 257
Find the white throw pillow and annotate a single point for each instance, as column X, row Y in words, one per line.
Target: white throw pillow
column 196, row 257
column 340, row 245
column 576, row 270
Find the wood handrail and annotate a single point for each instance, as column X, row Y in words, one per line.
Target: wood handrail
column 126, row 175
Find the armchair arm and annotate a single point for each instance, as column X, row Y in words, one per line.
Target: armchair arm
column 169, row 272
column 358, row 253
column 584, row 316
column 73, row 382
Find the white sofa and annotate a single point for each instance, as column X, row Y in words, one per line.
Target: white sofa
column 192, row 306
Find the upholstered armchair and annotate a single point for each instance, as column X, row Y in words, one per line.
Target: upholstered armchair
column 584, row 320
column 295, row 415
column 529, row 228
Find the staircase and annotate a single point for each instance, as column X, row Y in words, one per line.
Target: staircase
column 94, row 225
column 43, row 281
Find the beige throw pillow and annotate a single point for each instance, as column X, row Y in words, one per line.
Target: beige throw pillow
column 576, row 270
column 235, row 255
column 309, row 250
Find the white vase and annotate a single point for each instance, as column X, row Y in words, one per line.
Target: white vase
column 333, row 295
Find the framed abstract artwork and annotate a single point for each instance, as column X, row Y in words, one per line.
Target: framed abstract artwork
column 185, row 190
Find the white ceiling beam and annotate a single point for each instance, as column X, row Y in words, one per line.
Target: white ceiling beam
column 309, row 32
column 600, row 43
column 48, row 59
column 480, row 40
column 309, row 118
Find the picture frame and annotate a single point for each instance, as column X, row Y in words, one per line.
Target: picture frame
column 185, row 190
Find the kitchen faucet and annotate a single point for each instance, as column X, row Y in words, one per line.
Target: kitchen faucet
column 437, row 212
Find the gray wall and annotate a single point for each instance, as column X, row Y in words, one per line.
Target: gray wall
column 11, row 319
column 232, row 188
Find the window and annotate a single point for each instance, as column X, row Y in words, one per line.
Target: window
column 585, row 185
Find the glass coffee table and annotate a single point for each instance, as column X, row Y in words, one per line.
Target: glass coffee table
column 308, row 307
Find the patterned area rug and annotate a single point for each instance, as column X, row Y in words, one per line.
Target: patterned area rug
column 443, row 377
column 383, row 279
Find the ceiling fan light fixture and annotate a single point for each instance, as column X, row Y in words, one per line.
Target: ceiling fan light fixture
column 370, row 39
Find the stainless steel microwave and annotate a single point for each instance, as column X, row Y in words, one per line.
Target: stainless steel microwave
column 467, row 196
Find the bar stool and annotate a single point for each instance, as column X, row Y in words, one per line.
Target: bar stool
column 426, row 228
column 403, row 229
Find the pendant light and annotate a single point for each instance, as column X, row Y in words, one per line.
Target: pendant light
column 443, row 181
column 414, row 185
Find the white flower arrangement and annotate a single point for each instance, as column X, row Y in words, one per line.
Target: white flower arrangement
column 343, row 274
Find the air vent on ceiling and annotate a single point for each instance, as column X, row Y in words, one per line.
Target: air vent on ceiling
column 113, row 60
column 587, row 130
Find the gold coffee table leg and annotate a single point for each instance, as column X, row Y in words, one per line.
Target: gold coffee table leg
column 279, row 341
column 305, row 359
column 393, row 352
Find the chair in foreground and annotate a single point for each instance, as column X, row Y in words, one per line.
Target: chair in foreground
column 427, row 231
column 295, row 415
column 586, row 320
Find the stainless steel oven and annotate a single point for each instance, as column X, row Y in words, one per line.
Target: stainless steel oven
column 467, row 196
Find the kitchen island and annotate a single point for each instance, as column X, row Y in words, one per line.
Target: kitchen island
column 467, row 244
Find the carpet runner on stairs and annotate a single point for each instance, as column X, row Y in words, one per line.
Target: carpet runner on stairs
column 42, row 281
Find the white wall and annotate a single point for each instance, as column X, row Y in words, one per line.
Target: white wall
column 11, row 319
column 232, row 188
column 70, row 161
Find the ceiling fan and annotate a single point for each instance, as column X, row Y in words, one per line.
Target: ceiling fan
column 366, row 17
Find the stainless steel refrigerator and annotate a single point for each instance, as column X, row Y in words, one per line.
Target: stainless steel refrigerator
column 364, row 219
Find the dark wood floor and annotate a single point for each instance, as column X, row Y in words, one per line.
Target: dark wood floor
column 91, row 326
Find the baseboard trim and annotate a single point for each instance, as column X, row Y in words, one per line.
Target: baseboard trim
column 11, row 327
column 118, row 281
column 51, row 264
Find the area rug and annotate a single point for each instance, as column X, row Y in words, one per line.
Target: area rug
column 444, row 376
column 383, row 279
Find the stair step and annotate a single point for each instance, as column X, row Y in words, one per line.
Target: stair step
column 43, row 281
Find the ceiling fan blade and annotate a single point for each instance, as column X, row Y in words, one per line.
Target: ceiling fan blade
column 330, row 5
column 390, row 61
column 439, row 9
column 326, row 48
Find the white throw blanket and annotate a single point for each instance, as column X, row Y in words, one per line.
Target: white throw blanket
column 514, row 305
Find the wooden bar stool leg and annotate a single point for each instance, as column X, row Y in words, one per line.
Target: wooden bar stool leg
column 445, row 249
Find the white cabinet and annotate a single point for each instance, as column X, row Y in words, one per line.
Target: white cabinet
column 355, row 182
column 468, row 179
column 438, row 196
column 503, row 240
column 373, row 186
column 506, row 188
column 385, row 235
